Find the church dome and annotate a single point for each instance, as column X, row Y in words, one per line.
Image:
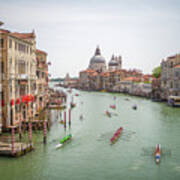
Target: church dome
column 113, row 62
column 97, row 58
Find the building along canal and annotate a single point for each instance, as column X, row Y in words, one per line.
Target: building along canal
column 89, row 156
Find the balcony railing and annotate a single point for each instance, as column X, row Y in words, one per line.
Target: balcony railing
column 22, row 76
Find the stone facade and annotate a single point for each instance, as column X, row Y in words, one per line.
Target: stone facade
column 42, row 80
column 19, row 96
column 170, row 77
column 1, row 23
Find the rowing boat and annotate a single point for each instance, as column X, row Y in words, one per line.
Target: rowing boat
column 116, row 135
column 157, row 153
column 113, row 106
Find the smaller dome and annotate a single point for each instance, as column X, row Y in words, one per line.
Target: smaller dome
column 113, row 61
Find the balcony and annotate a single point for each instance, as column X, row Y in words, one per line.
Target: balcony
column 22, row 77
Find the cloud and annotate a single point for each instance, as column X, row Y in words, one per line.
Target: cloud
column 143, row 32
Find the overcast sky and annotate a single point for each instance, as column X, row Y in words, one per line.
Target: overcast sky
column 141, row 31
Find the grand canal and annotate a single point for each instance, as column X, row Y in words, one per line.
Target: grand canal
column 89, row 156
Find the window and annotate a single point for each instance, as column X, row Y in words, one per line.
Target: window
column 2, row 66
column 1, row 43
column 21, row 67
column 22, row 47
column 30, row 50
column 27, row 50
column 171, row 64
column 10, row 64
column 176, row 73
column 171, row 85
column 176, row 85
column 22, row 90
column 16, row 45
column 10, row 43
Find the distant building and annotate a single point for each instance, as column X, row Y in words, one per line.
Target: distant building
column 71, row 82
column 42, row 80
column 84, row 79
column 170, row 77
column 1, row 23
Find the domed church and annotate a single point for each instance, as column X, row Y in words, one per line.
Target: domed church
column 97, row 62
column 115, row 63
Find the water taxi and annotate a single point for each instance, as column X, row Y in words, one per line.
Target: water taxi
column 61, row 122
column 174, row 101
column 72, row 104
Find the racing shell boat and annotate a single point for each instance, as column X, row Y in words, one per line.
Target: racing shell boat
column 113, row 106
column 157, row 153
column 108, row 113
column 116, row 135
column 64, row 140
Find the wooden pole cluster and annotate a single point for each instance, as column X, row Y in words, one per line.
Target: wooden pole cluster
column 64, row 119
column 12, row 141
column 30, row 133
column 69, row 116
column 20, row 126
column 45, row 131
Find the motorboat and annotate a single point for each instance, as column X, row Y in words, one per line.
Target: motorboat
column 64, row 140
column 61, row 122
column 72, row 104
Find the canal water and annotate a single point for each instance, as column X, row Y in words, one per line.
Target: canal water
column 89, row 156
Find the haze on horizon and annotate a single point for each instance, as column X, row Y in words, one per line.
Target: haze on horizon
column 143, row 32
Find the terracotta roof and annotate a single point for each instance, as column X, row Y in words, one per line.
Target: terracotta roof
column 4, row 31
column 105, row 74
column 23, row 35
column 40, row 51
column 88, row 71
column 147, row 76
column 94, row 74
column 135, row 79
column 172, row 57
column 177, row 66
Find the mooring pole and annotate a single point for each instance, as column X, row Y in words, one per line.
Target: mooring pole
column 69, row 116
column 44, row 131
column 20, row 126
column 12, row 141
column 64, row 119
column 30, row 133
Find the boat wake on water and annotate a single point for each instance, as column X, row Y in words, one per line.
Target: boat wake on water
column 125, row 136
column 149, row 151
